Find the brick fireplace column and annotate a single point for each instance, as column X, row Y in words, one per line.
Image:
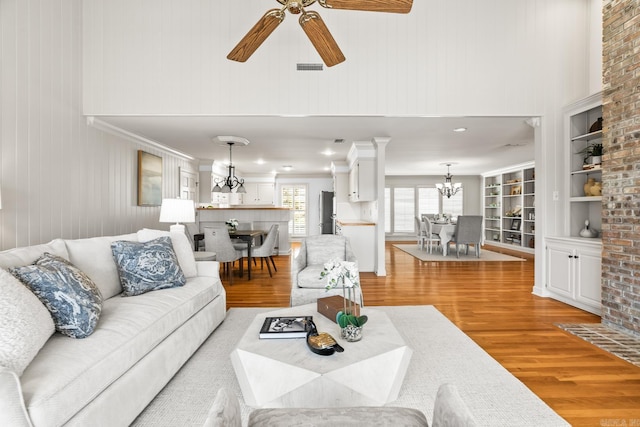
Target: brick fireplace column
column 621, row 166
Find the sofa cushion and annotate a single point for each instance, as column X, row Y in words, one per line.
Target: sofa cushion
column 181, row 247
column 225, row 411
column 25, row 324
column 70, row 295
column 68, row 374
column 310, row 277
column 94, row 257
column 450, row 410
column 28, row 255
column 321, row 250
column 331, row 417
column 147, row 266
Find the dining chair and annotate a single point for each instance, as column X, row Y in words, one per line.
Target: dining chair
column 242, row 245
column 468, row 231
column 216, row 239
column 265, row 250
column 430, row 237
column 421, row 233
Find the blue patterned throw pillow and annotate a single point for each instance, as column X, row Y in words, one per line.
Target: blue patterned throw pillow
column 74, row 301
column 147, row 266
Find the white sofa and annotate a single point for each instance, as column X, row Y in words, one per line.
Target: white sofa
column 139, row 343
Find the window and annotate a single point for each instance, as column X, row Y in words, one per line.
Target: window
column 404, row 210
column 453, row 205
column 428, row 201
column 403, row 204
column 294, row 197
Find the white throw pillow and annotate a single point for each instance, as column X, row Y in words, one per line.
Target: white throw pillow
column 181, row 247
column 25, row 324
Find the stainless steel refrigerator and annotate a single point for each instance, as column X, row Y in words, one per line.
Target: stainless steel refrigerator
column 325, row 205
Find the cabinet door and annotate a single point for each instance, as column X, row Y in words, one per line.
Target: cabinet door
column 588, row 274
column 559, row 270
column 266, row 194
column 353, row 184
column 251, row 195
column 366, row 175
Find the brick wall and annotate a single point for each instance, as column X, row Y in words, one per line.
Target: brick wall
column 621, row 165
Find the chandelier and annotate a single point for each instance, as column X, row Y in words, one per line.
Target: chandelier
column 447, row 188
column 225, row 185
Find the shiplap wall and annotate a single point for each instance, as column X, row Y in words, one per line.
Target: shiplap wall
column 464, row 57
column 60, row 177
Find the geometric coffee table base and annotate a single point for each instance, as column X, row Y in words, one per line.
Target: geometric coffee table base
column 284, row 373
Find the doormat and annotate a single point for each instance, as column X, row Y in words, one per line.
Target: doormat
column 625, row 346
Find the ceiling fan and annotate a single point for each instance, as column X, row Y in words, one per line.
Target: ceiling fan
column 312, row 24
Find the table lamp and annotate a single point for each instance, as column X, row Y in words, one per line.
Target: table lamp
column 177, row 210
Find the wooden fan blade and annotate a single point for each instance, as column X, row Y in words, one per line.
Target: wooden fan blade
column 256, row 35
column 393, row 6
column 321, row 38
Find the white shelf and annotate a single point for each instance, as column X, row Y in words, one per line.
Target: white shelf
column 587, row 171
column 524, row 177
column 588, row 136
column 586, row 199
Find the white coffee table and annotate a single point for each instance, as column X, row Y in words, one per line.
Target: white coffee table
column 285, row 373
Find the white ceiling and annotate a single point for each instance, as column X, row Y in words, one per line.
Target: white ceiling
column 419, row 145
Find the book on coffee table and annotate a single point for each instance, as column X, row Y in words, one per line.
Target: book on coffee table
column 285, row 327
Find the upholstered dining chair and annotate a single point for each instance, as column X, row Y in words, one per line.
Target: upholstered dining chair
column 429, row 236
column 421, row 233
column 468, row 231
column 216, row 239
column 265, row 250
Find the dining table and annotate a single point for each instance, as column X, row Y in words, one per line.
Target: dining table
column 445, row 230
column 245, row 235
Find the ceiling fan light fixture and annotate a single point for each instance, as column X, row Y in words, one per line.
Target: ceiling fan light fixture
column 294, row 7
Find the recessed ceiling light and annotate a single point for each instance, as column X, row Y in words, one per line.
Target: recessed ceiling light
column 287, row 167
column 260, row 162
column 328, row 152
column 460, row 130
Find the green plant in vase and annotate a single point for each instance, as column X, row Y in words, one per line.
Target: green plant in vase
column 593, row 152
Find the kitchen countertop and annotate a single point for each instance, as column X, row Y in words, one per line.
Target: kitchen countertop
column 351, row 222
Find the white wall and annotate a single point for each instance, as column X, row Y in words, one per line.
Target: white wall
column 60, row 177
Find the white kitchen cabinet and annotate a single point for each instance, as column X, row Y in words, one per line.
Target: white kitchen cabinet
column 574, row 272
column 361, row 236
column 259, row 193
column 361, row 181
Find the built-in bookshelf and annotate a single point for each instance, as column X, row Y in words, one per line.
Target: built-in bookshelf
column 509, row 207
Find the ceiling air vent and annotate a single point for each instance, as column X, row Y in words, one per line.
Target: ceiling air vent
column 309, row 67
column 338, row 141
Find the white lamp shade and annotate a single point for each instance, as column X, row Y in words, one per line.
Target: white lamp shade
column 177, row 210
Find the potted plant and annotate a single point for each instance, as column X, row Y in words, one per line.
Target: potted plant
column 593, row 151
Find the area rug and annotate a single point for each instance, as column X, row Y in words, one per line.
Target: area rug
column 485, row 255
column 442, row 353
column 622, row 345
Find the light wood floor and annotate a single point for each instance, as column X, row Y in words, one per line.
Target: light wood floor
column 492, row 303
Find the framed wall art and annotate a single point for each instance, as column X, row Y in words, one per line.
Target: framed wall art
column 149, row 179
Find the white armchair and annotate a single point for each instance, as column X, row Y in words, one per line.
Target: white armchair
column 306, row 284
